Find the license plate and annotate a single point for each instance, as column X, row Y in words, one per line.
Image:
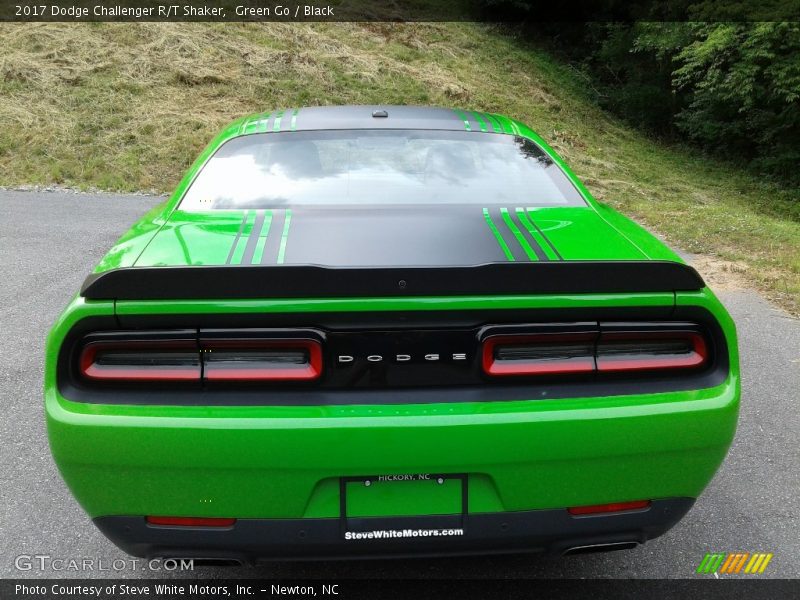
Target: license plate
column 418, row 494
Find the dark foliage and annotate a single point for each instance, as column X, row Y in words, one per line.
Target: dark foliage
column 729, row 87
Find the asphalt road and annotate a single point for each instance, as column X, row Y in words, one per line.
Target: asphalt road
column 48, row 243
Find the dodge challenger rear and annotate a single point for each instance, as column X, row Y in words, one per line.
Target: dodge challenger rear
column 385, row 330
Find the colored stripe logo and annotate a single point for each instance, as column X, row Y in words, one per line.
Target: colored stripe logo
column 734, row 563
column 518, row 236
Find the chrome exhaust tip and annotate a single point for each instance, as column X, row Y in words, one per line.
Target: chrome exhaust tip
column 607, row 547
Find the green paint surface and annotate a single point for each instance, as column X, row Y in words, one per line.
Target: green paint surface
column 262, row 239
column 497, row 235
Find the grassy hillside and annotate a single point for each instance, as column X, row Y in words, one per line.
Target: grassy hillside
column 128, row 106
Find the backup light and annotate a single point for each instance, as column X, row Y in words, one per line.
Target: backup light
column 262, row 360
column 652, row 350
column 137, row 360
column 539, row 354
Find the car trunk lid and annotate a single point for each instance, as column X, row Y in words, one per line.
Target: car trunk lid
column 444, row 235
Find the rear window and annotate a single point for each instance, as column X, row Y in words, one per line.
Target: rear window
column 386, row 167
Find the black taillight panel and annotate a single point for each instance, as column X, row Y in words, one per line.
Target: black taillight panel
column 399, row 358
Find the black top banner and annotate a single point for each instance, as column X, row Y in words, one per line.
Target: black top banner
column 509, row 11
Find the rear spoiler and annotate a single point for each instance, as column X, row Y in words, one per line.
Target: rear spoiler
column 311, row 281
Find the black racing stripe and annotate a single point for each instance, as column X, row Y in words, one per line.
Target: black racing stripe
column 270, row 255
column 535, row 246
column 236, row 239
column 286, row 117
column 433, row 235
column 508, row 235
column 252, row 241
column 546, row 239
column 400, row 117
column 272, row 118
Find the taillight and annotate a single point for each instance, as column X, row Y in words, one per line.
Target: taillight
column 539, row 354
column 181, row 357
column 652, row 350
column 611, row 348
column 139, row 360
column 262, row 360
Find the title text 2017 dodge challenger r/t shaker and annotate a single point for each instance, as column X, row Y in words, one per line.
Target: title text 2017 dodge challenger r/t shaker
column 377, row 330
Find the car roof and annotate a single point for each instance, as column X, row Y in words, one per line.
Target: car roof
column 371, row 117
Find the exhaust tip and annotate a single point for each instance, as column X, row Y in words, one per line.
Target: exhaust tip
column 592, row 548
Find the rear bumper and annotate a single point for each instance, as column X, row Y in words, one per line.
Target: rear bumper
column 284, row 463
column 250, row 540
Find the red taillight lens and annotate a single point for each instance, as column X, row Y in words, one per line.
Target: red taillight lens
column 190, row 521
column 262, row 360
column 138, row 357
column 609, row 508
column 168, row 360
column 653, row 348
column 637, row 351
column 539, row 354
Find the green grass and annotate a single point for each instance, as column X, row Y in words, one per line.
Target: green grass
column 128, row 107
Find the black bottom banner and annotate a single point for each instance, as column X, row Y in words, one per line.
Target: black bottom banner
column 383, row 589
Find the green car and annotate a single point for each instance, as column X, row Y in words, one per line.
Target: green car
column 386, row 330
